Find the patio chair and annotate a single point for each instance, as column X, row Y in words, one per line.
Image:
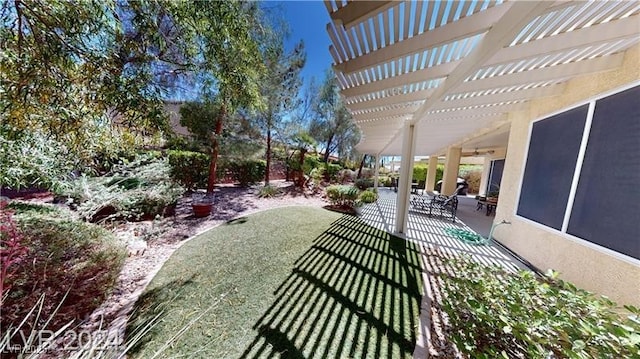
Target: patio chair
column 420, row 202
column 445, row 204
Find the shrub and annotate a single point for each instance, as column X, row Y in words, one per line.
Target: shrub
column 419, row 173
column 190, row 169
column 333, row 170
column 268, row 192
column 346, row 175
column 493, row 314
column 139, row 190
column 342, row 195
column 317, row 175
column 70, row 263
column 368, row 196
column 473, row 179
column 310, row 162
column 364, row 183
column 248, row 171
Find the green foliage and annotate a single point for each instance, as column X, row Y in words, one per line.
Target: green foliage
column 200, row 118
column 35, row 208
column 333, row 169
column 310, row 162
column 368, row 196
column 494, row 314
column 385, row 181
column 182, row 143
column 439, row 172
column 248, row 171
column 333, row 127
column 268, row 191
column 342, row 195
column 138, row 190
column 364, row 183
column 317, row 175
column 189, row 169
column 65, row 259
column 419, row 172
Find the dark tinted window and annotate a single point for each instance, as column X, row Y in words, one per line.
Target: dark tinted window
column 606, row 209
column 551, row 162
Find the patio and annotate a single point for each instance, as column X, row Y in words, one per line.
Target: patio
column 430, row 231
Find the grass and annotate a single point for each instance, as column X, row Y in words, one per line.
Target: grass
column 291, row 283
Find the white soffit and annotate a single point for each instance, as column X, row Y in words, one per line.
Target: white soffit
column 454, row 67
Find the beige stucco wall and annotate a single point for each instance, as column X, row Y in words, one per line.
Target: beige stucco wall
column 586, row 267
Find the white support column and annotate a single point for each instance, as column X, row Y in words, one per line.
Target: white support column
column 377, row 172
column 404, row 182
column 431, row 173
column 450, row 176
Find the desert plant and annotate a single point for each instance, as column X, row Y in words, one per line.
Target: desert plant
column 493, row 313
column 368, row 196
column 342, row 195
column 346, row 175
column 317, row 175
column 73, row 264
column 268, row 191
column 141, row 189
column 364, row 183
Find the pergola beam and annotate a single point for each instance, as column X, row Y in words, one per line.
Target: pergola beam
column 590, row 36
column 463, row 28
column 557, row 72
column 518, row 15
column 352, row 14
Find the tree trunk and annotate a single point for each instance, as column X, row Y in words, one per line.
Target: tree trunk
column 303, row 152
column 326, row 151
column 213, row 166
column 267, row 170
column 361, row 165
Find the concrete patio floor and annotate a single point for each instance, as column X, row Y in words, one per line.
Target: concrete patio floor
column 431, row 230
column 430, row 233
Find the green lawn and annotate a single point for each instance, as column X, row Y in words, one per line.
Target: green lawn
column 296, row 282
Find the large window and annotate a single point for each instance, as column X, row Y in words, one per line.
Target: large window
column 588, row 186
column 553, row 152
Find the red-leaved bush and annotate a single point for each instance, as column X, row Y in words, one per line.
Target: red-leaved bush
column 12, row 251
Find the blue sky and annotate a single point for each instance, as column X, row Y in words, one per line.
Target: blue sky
column 307, row 21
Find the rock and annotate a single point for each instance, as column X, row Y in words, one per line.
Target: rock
column 137, row 247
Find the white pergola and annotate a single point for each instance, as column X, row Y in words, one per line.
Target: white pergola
column 441, row 71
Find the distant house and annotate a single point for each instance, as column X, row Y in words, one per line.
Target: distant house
column 173, row 109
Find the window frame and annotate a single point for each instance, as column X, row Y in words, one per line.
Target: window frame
column 576, row 175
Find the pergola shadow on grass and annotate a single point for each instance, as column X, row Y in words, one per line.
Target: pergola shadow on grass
column 292, row 283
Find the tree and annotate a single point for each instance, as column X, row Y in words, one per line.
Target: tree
column 227, row 32
column 333, row 125
column 279, row 85
column 302, row 142
column 65, row 64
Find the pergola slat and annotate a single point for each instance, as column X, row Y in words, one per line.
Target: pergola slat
column 545, row 74
column 460, row 29
column 432, row 73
